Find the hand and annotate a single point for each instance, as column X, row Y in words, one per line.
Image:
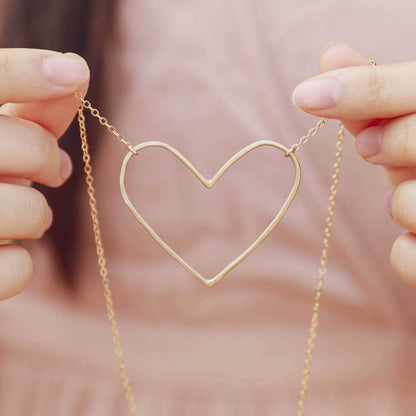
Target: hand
column 37, row 87
column 378, row 106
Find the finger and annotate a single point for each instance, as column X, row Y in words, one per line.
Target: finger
column 28, row 75
column 360, row 93
column 15, row 181
column 403, row 257
column 336, row 55
column 398, row 174
column 390, row 143
column 29, row 151
column 403, row 205
column 24, row 212
column 15, row 270
column 55, row 114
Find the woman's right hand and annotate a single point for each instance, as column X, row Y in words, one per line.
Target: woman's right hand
column 36, row 87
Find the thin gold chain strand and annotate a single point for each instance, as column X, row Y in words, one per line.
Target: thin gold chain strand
column 103, row 121
column 102, row 262
column 304, row 139
column 313, row 330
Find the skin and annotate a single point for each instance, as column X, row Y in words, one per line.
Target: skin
column 40, row 106
column 38, row 111
column 380, row 96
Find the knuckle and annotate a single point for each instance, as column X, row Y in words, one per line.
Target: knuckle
column 397, row 203
column 377, row 86
column 37, row 210
column 404, row 199
column 398, row 174
column 16, row 270
column 24, row 212
column 403, row 257
column 6, row 67
column 406, row 144
column 395, row 256
column 45, row 155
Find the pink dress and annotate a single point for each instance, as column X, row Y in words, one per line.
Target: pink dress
column 210, row 78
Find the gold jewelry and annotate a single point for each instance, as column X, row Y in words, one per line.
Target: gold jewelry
column 208, row 183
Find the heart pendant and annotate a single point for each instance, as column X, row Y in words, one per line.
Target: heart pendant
column 209, row 183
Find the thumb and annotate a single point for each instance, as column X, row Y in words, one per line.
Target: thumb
column 336, row 55
column 38, row 85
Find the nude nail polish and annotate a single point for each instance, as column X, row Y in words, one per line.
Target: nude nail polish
column 64, row 70
column 368, row 142
column 317, row 94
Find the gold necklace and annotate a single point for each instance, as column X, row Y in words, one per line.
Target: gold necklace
column 208, row 183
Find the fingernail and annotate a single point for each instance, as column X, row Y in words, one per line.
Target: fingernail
column 317, row 94
column 388, row 202
column 50, row 218
column 65, row 169
column 65, row 71
column 368, row 141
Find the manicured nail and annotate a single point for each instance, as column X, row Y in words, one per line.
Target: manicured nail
column 317, row 94
column 50, row 218
column 368, row 141
column 65, row 71
column 388, row 201
column 65, row 165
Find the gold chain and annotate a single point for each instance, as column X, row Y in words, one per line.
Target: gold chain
column 313, row 330
column 103, row 121
column 102, row 263
column 129, row 146
column 304, row 139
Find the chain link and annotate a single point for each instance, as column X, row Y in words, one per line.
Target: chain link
column 304, row 139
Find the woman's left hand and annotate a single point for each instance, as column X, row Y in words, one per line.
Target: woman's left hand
column 378, row 106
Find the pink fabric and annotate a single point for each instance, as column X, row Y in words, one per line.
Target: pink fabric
column 209, row 78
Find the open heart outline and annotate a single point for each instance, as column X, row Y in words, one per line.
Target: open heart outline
column 209, row 183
